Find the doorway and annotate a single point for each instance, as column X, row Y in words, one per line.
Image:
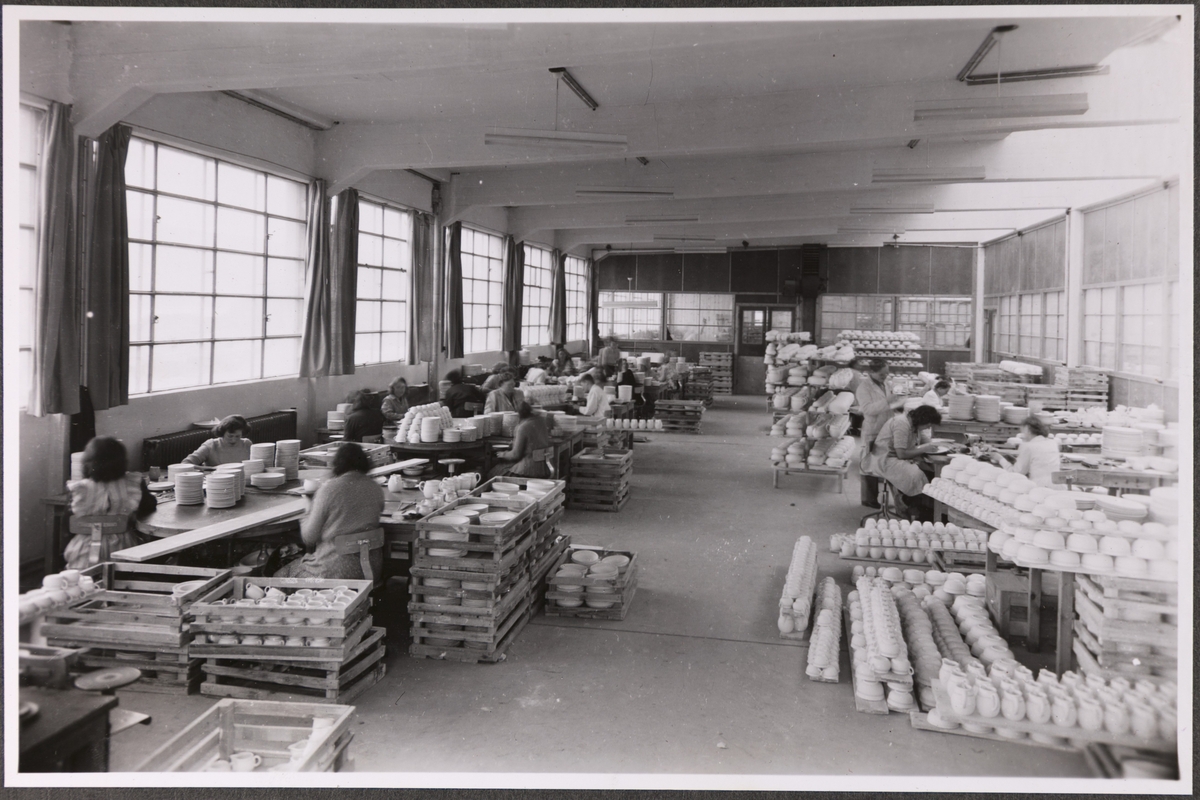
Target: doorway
column 753, row 323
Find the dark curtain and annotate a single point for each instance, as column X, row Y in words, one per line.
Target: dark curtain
column 454, row 294
column 343, row 284
column 593, row 311
column 514, row 295
column 558, row 299
column 421, row 339
column 315, row 343
column 55, row 388
column 107, row 296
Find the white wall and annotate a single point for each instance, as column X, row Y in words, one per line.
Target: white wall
column 399, row 187
column 45, row 58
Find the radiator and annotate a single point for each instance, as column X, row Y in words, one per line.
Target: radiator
column 172, row 448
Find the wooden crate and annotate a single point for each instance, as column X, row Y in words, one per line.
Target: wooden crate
column 264, row 727
column 550, row 556
column 545, row 507
column 164, row 670
column 338, row 649
column 599, row 501
column 1008, row 392
column 1052, row 398
column 322, row 455
column 320, row 682
column 135, row 607
column 1109, row 644
column 958, row 370
column 819, row 470
column 491, row 552
column 489, row 646
column 1084, row 378
column 624, row 588
column 711, row 358
column 679, row 415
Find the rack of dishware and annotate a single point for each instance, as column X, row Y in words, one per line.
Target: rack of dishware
column 592, row 582
column 678, row 416
column 600, row 479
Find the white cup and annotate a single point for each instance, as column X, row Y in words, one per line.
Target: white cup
column 220, row 765
column 245, row 761
column 296, row 749
column 319, row 641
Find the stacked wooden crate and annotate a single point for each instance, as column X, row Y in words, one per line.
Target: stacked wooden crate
column 346, row 664
column 600, row 479
column 575, row 591
column 1048, row 398
column 470, row 607
column 1007, row 391
column 264, row 727
column 699, row 385
column 959, row 370
column 137, row 620
column 322, row 455
column 1087, row 386
column 1126, row 627
column 721, row 365
column 682, row 416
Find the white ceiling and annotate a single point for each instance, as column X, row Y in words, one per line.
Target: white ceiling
column 767, row 130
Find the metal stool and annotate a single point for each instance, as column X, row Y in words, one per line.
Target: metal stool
column 885, row 501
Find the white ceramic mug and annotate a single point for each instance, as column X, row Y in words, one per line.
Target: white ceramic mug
column 245, row 761
column 319, row 641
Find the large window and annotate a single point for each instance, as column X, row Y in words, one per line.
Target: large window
column 30, row 157
column 1143, row 346
column 216, row 270
column 700, row 317
column 1006, row 325
column 1032, row 325
column 384, row 261
column 631, row 315
column 577, row 299
column 535, row 314
column 1173, row 334
column 483, row 290
column 1029, row 325
column 1054, row 330
column 854, row 312
column 1100, row 327
column 938, row 322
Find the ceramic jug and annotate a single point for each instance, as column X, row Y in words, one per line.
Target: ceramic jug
column 1091, row 714
column 1144, row 721
column 1167, row 724
column 1145, row 688
column 1063, row 713
column 987, row 702
column 395, row 483
column 1047, row 677
column 847, row 548
column 470, row 479
column 1116, row 718
column 948, row 669
column 430, row 488
column 1012, row 704
column 1069, row 678
column 1037, row 708
column 962, row 696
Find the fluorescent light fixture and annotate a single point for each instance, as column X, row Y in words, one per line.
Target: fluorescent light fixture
column 872, row 230
column 653, row 220
column 526, row 137
column 909, row 208
column 309, row 119
column 624, row 191
column 1038, row 105
column 699, row 249
column 658, row 238
column 574, row 86
column 927, row 174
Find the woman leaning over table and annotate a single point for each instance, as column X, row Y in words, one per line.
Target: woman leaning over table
column 349, row 502
column 531, row 435
column 227, row 446
column 897, row 450
column 106, row 490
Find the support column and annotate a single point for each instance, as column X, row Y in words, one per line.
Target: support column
column 1074, row 288
column 977, row 336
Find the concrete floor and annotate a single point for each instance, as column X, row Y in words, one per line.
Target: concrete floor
column 694, row 680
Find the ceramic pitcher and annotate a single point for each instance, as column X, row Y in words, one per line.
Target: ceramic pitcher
column 430, row 488
column 1037, row 708
column 1062, row 712
column 1012, row 704
column 987, row 702
column 962, row 696
column 1116, row 718
column 1091, row 714
column 1144, row 721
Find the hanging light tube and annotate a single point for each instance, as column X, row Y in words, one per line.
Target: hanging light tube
column 574, row 86
column 526, row 137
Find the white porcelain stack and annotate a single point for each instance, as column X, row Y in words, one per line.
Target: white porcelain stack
column 795, row 603
column 962, row 406
column 287, row 455
column 264, row 452
column 877, row 645
column 1164, row 505
column 189, row 488
column 430, row 430
column 335, row 420
column 77, row 466
column 508, row 423
column 220, row 490
column 175, row 469
column 824, row 646
column 987, row 408
column 239, row 477
column 918, row 634
column 253, row 466
column 1014, row 415
column 452, row 435
column 1118, row 442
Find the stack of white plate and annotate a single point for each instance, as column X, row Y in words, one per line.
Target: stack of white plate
column 1164, row 504
column 454, row 520
column 345, row 408
column 1122, row 442
column 1014, row 415
column 480, row 421
column 220, row 490
column 469, row 433
column 253, row 466
column 987, row 408
column 335, row 420
column 77, row 466
column 189, row 488
column 508, row 423
column 287, row 455
column 175, row 469
column 452, row 435
column 962, row 406
column 239, row 477
column 1118, row 508
column 264, row 453
column 266, row 480
column 431, row 428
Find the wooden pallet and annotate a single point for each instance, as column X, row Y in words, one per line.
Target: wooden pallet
column 860, row 704
column 920, row 721
column 623, row 601
column 1094, row 660
column 547, row 561
column 597, row 503
column 168, row 668
column 1116, row 595
column 1008, row 392
column 494, row 652
column 1111, row 631
column 321, row 682
column 960, row 560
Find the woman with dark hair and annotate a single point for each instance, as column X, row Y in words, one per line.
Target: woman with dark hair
column 349, row 502
column 365, row 420
column 1038, row 456
column 395, row 405
column 227, row 446
column 897, row 450
column 506, row 396
column 458, row 394
column 531, row 435
column 876, row 401
column 107, row 489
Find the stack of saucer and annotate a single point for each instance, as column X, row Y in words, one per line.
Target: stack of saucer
column 962, row 406
column 264, row 453
column 1164, row 504
column 1118, row 508
column 220, row 490
column 239, row 477
column 452, row 435
column 987, row 408
column 431, row 428
column 287, row 455
column 1014, row 415
column 253, row 466
column 1118, row 442
column 175, row 469
column 77, row 466
column 335, row 420
column 189, row 488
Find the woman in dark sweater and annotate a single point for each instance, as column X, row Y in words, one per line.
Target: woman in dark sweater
column 459, row 394
column 365, row 421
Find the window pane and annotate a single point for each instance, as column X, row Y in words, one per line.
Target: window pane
column 281, row 357
column 29, row 196
column 185, row 222
column 139, row 318
column 393, row 317
column 139, row 215
column 179, row 365
column 239, row 274
column 237, row 361
column 370, row 218
column 139, row 370
column 392, row 253
column 396, row 223
column 183, row 269
column 140, row 267
column 369, row 282
column 395, row 285
column 177, row 317
column 188, row 174
column 240, row 230
column 367, row 317
column 366, row 348
column 287, row 198
column 392, row 347
column 285, row 278
column 370, row 250
column 139, row 164
column 238, row 317
column 285, row 317
column 286, row 238
column 239, row 186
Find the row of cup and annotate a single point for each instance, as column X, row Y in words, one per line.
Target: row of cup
column 270, row 640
